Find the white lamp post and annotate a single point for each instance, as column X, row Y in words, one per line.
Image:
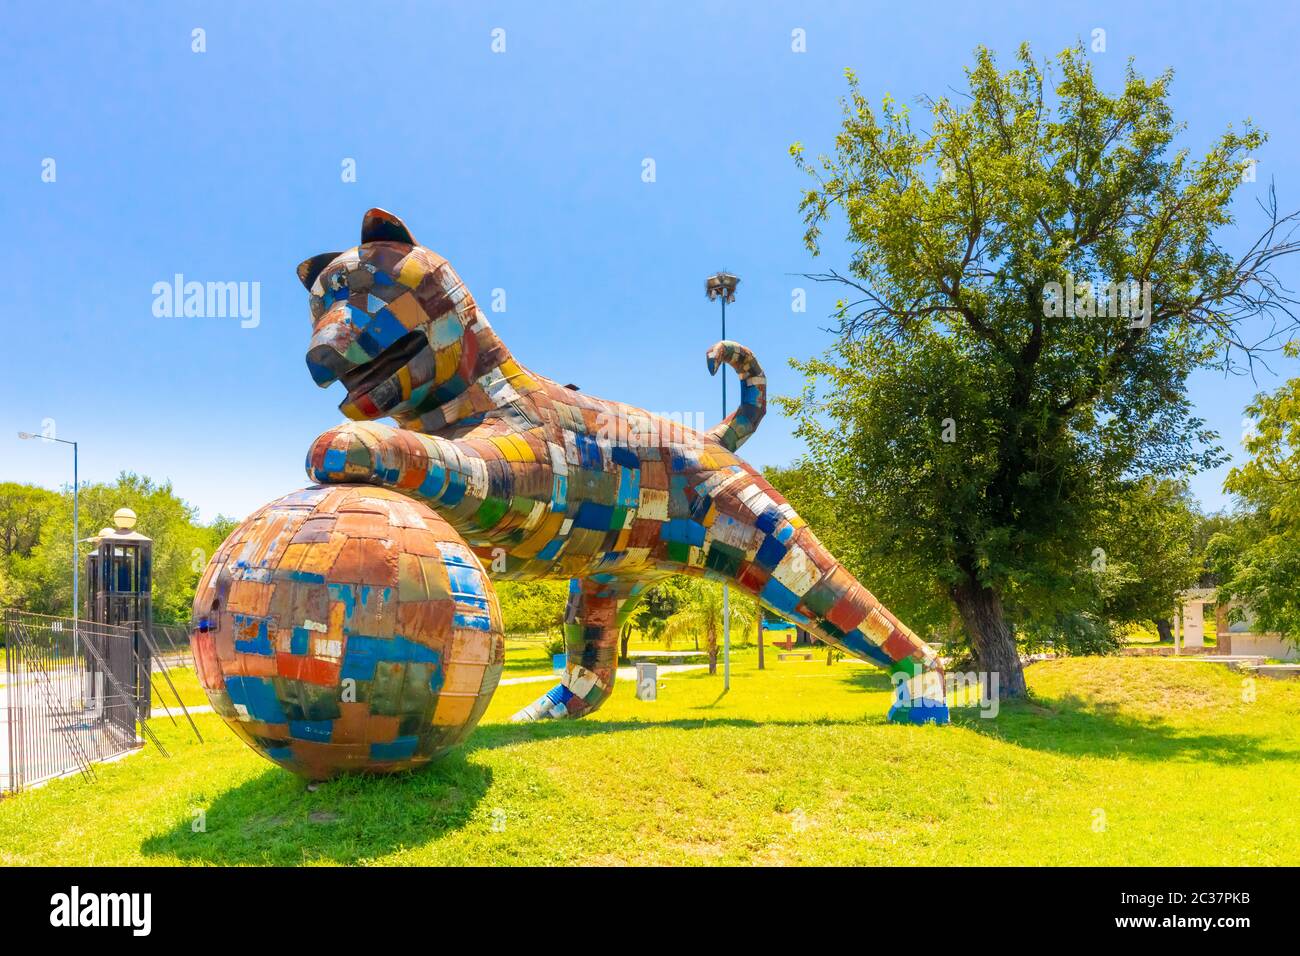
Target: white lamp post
column 722, row 285
column 76, row 537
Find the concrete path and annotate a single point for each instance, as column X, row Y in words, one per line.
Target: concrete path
column 624, row 673
column 1247, row 663
column 670, row 655
column 1278, row 670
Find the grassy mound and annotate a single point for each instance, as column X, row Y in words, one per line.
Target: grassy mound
column 1114, row 761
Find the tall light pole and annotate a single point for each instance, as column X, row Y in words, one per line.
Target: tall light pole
column 722, row 285
column 76, row 537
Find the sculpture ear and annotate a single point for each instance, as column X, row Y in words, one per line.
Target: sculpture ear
column 309, row 269
column 380, row 225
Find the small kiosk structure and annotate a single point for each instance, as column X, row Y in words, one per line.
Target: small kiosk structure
column 1239, row 637
column 119, row 592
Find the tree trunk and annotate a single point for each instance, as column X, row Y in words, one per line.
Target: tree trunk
column 623, row 640
column 992, row 641
column 760, row 642
column 1165, row 630
column 712, row 645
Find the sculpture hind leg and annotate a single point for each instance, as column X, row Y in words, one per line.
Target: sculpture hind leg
column 842, row 613
column 794, row 576
column 595, row 613
column 914, row 669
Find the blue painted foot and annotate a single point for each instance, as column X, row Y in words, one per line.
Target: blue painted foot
column 919, row 712
column 919, row 695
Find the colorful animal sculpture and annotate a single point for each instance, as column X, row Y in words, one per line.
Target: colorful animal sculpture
column 544, row 481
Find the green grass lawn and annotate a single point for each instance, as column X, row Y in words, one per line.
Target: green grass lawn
column 794, row 765
column 186, row 684
column 526, row 656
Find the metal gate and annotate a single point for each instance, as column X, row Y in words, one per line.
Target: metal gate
column 70, row 697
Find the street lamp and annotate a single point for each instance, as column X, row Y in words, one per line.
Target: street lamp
column 722, row 285
column 76, row 593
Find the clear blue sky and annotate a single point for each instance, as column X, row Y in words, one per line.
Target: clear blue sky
column 524, row 168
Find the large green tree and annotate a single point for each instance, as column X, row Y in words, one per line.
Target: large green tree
column 982, row 403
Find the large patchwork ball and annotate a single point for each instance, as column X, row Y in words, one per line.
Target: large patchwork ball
column 347, row 628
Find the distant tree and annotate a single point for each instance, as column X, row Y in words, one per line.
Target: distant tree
column 8, row 589
column 658, row 603
column 844, row 523
column 700, row 612
column 1204, row 530
column 1207, row 526
column 1147, row 553
column 533, row 607
column 219, row 530
column 1257, row 557
column 22, row 510
column 41, row 578
column 982, row 401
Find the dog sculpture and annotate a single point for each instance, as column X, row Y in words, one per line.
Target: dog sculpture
column 544, row 481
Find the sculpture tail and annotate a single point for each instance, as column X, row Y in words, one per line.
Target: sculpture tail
column 732, row 431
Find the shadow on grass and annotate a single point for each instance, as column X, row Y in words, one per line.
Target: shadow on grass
column 716, row 701
column 274, row 820
column 1078, row 727
column 1074, row 727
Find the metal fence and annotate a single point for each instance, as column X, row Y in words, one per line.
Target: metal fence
column 71, row 696
column 171, row 644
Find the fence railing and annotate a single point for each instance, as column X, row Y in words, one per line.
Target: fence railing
column 68, row 697
column 172, row 642
column 75, row 693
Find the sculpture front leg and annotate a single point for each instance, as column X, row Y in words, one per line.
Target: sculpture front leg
column 425, row 467
column 592, row 620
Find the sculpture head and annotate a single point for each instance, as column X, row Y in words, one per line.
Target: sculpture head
column 392, row 321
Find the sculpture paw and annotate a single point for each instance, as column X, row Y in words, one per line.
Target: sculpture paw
column 551, row 705
column 919, row 695
column 919, row 712
column 352, row 451
column 583, row 693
